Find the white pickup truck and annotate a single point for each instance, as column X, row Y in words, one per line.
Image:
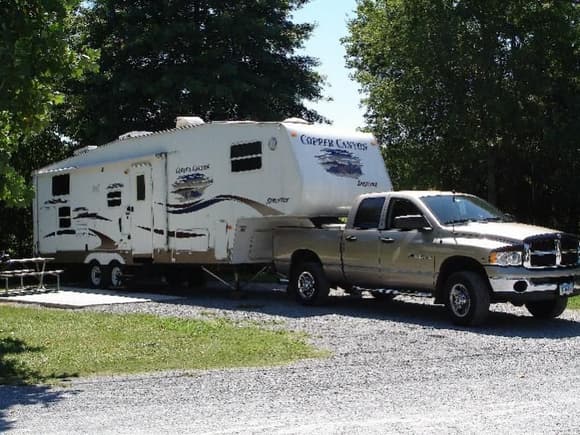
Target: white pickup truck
column 454, row 247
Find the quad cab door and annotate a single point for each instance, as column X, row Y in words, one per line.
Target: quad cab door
column 362, row 244
column 140, row 210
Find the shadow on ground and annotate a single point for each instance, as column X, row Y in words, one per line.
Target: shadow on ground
column 271, row 299
column 17, row 379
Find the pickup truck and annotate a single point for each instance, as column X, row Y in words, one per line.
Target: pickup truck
column 454, row 247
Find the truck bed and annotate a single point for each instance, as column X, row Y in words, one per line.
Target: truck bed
column 326, row 242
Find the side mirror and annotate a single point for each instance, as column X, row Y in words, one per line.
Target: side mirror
column 411, row 222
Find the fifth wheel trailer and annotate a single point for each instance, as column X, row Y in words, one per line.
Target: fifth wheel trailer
column 201, row 194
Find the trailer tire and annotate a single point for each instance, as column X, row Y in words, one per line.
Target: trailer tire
column 114, row 275
column 382, row 297
column 96, row 275
column 467, row 298
column 308, row 284
column 547, row 309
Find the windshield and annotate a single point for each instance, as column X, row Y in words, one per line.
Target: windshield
column 461, row 209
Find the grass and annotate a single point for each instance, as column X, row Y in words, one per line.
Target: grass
column 47, row 345
column 574, row 303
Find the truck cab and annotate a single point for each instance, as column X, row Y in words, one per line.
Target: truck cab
column 454, row 247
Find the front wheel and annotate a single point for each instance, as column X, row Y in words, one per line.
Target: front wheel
column 309, row 284
column 467, row 298
column 96, row 274
column 547, row 309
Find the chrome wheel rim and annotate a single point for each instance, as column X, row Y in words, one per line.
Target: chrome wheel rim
column 96, row 275
column 116, row 276
column 459, row 300
column 306, row 285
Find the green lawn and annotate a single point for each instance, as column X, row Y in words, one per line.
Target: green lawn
column 574, row 303
column 46, row 345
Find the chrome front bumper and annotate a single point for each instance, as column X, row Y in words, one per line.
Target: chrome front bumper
column 521, row 283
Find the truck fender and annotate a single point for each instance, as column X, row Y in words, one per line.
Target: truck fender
column 457, row 264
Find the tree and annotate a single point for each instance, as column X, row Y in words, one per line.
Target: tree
column 476, row 96
column 35, row 57
column 221, row 60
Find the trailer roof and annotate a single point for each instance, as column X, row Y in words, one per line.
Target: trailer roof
column 102, row 154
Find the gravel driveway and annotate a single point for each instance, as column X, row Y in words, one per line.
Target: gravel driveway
column 395, row 368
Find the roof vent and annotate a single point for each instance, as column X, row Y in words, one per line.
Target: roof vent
column 132, row 134
column 84, row 150
column 296, row 121
column 188, row 121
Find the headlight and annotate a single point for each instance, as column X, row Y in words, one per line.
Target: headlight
column 506, row 258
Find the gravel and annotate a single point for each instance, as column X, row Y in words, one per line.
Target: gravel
column 394, row 368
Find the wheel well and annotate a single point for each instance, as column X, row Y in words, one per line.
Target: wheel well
column 302, row 256
column 456, row 264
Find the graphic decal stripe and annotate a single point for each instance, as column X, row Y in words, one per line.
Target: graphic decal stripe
column 175, row 234
column 91, row 216
column 200, row 205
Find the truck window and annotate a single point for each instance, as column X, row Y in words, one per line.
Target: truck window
column 246, row 156
column 61, row 185
column 368, row 215
column 400, row 207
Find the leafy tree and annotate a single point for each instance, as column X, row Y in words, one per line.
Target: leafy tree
column 35, row 56
column 476, row 96
column 218, row 59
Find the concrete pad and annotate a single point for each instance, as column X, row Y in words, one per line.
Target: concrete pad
column 69, row 297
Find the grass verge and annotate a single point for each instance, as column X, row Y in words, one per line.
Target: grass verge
column 46, row 345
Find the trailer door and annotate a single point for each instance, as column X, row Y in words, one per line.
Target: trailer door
column 141, row 210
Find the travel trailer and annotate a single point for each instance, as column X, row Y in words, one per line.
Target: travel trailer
column 201, row 195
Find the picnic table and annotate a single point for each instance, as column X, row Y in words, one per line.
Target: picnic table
column 21, row 268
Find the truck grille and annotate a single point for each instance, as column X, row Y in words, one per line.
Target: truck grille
column 551, row 251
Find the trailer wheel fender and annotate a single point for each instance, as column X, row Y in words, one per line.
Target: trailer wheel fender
column 104, row 258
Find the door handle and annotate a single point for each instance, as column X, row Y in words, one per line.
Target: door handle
column 350, row 238
column 387, row 240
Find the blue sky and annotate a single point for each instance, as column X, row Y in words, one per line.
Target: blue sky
column 331, row 17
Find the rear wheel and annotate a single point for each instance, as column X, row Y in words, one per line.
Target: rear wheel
column 547, row 309
column 309, row 284
column 96, row 274
column 115, row 273
column 467, row 298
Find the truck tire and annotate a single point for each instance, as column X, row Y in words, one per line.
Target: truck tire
column 547, row 309
column 309, row 285
column 96, row 274
column 467, row 298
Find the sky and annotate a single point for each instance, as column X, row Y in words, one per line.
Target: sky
column 331, row 17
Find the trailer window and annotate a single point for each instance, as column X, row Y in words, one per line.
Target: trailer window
column 114, row 198
column 368, row 215
column 141, row 187
column 246, row 156
column 64, row 220
column 61, row 185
